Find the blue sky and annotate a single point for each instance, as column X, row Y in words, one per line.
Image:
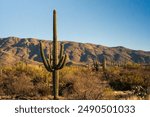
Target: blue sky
column 105, row 22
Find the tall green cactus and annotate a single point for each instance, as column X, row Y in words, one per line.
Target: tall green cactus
column 54, row 63
column 96, row 65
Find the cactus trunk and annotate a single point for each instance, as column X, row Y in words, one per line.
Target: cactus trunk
column 55, row 59
column 55, row 84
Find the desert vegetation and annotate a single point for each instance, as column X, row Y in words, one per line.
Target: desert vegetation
column 34, row 82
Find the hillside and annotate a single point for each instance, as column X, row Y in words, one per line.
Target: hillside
column 13, row 49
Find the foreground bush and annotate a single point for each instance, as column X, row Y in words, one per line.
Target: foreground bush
column 137, row 80
column 75, row 82
column 24, row 81
column 83, row 84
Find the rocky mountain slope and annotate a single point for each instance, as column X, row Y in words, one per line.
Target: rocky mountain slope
column 13, row 49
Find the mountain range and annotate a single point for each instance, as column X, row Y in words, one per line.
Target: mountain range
column 14, row 49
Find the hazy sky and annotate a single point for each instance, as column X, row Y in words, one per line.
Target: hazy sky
column 106, row 22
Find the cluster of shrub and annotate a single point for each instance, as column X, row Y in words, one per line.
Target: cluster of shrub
column 24, row 81
column 135, row 78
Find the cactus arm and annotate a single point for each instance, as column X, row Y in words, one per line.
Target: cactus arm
column 50, row 57
column 61, row 51
column 62, row 63
column 49, row 61
column 49, row 65
column 50, row 53
column 61, row 57
column 44, row 59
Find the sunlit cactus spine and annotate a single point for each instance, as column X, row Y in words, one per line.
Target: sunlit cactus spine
column 54, row 63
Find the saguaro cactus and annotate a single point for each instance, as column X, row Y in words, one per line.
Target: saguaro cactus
column 54, row 63
column 96, row 65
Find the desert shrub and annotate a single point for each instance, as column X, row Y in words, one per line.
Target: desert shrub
column 6, row 84
column 75, row 82
column 26, row 80
column 42, row 89
column 16, row 85
column 32, row 70
column 42, row 85
column 82, row 84
column 23, row 86
column 1, row 85
column 125, row 79
column 139, row 91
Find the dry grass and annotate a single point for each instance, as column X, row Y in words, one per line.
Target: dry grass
column 34, row 82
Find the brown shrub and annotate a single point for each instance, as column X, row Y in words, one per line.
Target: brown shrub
column 135, row 79
column 23, row 86
column 83, row 84
column 24, row 81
